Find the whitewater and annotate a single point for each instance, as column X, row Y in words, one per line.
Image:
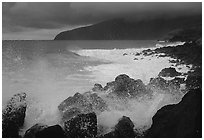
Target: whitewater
column 51, row 73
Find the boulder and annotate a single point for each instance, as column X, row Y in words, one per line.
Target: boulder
column 13, row 115
column 158, row 82
column 81, row 103
column 124, row 86
column 81, row 126
column 31, row 132
column 54, row 131
column 176, row 82
column 74, row 105
column 97, row 87
column 180, row 120
column 124, row 129
column 169, row 72
column 98, row 104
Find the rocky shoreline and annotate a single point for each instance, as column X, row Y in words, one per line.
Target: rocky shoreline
column 79, row 112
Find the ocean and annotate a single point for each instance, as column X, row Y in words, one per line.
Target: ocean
column 51, row 71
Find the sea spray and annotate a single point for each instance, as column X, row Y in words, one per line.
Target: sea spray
column 51, row 74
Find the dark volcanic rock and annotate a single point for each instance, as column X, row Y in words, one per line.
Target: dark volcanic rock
column 159, row 83
column 169, row 72
column 74, row 105
column 54, row 131
column 190, row 53
column 181, row 120
column 170, row 86
column 82, row 126
column 176, row 82
column 98, row 104
column 124, row 129
column 31, row 132
column 13, row 115
column 124, row 86
column 193, row 82
column 97, row 87
column 81, row 103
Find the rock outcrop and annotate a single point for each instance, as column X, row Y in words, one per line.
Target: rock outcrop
column 54, row 131
column 124, row 86
column 169, row 72
column 74, row 105
column 31, row 132
column 193, row 82
column 44, row 131
column 13, row 116
column 124, row 129
column 158, row 82
column 181, row 120
column 81, row 126
column 81, row 103
column 97, row 87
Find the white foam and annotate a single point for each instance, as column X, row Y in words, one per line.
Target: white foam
column 144, row 68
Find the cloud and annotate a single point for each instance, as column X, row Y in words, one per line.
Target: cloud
column 40, row 15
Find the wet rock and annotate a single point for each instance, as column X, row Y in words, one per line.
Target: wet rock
column 193, row 82
column 174, row 61
column 13, row 115
column 81, row 126
column 176, row 82
column 137, row 54
column 169, row 72
column 181, row 120
column 54, row 131
column 31, row 132
column 81, row 103
column 158, row 82
column 190, row 53
column 124, row 129
column 74, row 105
column 109, row 86
column 97, row 87
column 147, row 52
column 124, row 86
column 98, row 104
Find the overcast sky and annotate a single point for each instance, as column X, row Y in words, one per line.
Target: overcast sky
column 45, row 20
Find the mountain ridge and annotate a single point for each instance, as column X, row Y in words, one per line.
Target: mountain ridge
column 123, row 29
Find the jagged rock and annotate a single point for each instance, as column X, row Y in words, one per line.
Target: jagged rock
column 193, row 82
column 158, row 82
column 176, row 82
column 97, row 87
column 81, row 103
column 109, row 86
column 124, row 86
column 82, row 126
column 31, row 132
column 147, row 52
column 181, row 120
column 13, row 115
column 169, row 72
column 98, row 104
column 54, row 131
column 124, row 129
column 74, row 105
column 137, row 54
